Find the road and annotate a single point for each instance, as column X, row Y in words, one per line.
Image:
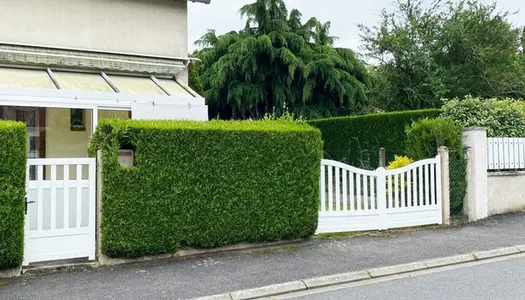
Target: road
column 232, row 271
column 481, row 281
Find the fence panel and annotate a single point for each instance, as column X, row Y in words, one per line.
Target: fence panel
column 381, row 199
column 505, row 153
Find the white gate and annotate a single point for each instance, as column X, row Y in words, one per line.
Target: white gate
column 353, row 199
column 60, row 209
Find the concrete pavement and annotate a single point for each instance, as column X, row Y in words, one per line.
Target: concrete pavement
column 236, row 271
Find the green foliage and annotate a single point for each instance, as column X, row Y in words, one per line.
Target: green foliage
column 356, row 140
column 502, row 118
column 207, row 184
column 194, row 80
column 425, row 136
column 423, row 139
column 12, row 193
column 444, row 50
column 278, row 59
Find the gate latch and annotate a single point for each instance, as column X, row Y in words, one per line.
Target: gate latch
column 28, row 202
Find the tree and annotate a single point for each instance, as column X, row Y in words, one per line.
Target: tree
column 194, row 80
column 443, row 50
column 277, row 62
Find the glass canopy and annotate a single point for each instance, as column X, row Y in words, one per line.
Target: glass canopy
column 91, row 82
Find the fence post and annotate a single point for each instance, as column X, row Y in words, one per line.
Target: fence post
column 382, row 157
column 381, row 198
column 476, row 204
column 100, row 256
column 445, row 184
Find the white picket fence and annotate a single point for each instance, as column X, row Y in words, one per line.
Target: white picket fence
column 353, row 199
column 505, row 153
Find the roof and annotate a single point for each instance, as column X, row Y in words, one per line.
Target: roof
column 93, row 82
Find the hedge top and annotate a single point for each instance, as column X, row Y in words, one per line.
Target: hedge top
column 5, row 124
column 214, row 125
column 377, row 116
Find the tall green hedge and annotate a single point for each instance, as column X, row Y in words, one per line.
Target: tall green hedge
column 206, row 184
column 356, row 140
column 12, row 193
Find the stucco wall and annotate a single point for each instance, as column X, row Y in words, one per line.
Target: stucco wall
column 152, row 27
column 61, row 142
column 506, row 192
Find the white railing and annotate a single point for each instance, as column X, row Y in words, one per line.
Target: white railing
column 353, row 199
column 505, row 153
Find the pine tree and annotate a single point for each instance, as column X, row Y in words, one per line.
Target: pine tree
column 277, row 61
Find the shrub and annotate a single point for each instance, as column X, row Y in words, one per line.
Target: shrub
column 399, row 162
column 423, row 139
column 502, row 118
column 12, row 193
column 356, row 140
column 207, row 184
column 425, row 136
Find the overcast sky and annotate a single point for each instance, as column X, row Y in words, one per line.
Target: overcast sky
column 223, row 16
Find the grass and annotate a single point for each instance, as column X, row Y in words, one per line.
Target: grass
column 2, row 284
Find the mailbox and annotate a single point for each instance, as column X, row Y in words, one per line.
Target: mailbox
column 126, row 158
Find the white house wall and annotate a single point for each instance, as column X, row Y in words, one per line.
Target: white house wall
column 150, row 27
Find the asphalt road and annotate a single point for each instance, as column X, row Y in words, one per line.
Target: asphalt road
column 492, row 281
column 216, row 274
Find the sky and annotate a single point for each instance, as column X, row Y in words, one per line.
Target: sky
column 345, row 15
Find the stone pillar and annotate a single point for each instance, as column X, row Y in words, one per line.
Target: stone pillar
column 445, row 184
column 476, row 202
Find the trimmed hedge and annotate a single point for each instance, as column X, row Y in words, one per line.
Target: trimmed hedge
column 12, row 193
column 356, row 140
column 206, row 184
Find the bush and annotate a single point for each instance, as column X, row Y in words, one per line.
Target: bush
column 425, row 136
column 12, row 193
column 399, row 162
column 423, row 139
column 356, row 140
column 502, row 118
column 206, row 184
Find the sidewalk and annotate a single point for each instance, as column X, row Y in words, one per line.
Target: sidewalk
column 234, row 271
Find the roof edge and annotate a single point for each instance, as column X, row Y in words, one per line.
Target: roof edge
column 199, row 1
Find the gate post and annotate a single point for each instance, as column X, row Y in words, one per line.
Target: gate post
column 445, row 184
column 99, row 205
column 381, row 198
column 476, row 204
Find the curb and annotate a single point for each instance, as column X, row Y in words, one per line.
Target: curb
column 46, row 270
column 324, row 281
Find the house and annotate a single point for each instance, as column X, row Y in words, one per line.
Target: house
column 66, row 64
